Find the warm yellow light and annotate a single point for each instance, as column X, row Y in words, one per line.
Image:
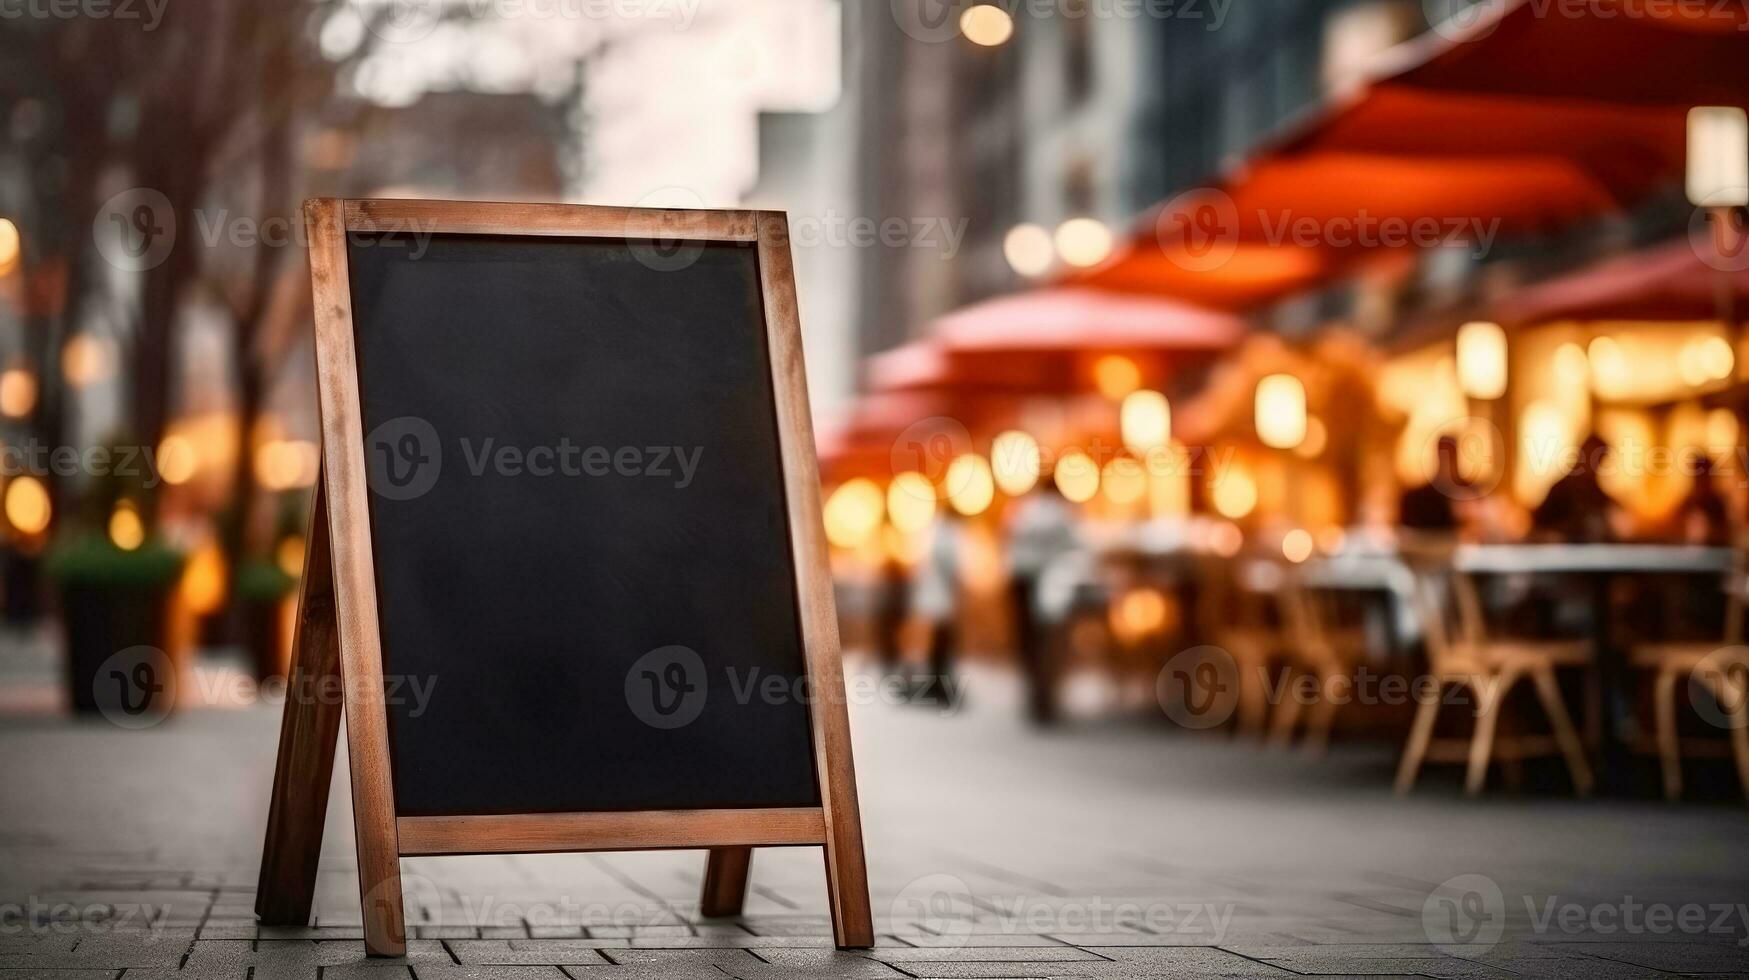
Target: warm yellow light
column 1077, row 476
column 1706, row 358
column 1139, row 612
column 87, row 360
column 1296, row 545
column 910, row 501
column 1116, row 376
column 290, row 555
column 1124, row 481
column 1721, row 429
column 281, row 464
column 17, row 392
column 8, row 246
column 1718, row 157
column 1332, row 540
column 1145, row 420
column 970, row 486
column 1610, row 373
column 1083, row 241
column 986, row 24
column 125, row 528
column 27, row 505
column 853, row 513
column 1481, row 359
column 1281, row 411
column 1169, row 482
column 1317, row 437
column 1028, row 249
column 898, row 546
column 1571, row 365
column 177, row 459
column 1226, row 539
column 1234, row 493
column 203, row 582
column 1014, row 459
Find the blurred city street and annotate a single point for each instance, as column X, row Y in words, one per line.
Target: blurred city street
column 1157, row 853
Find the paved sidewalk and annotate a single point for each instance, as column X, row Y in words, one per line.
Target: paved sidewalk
column 1109, row 849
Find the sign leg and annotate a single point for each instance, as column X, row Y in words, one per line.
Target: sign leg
column 725, row 881
column 307, row 738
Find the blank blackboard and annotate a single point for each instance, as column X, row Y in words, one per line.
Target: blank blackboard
column 530, row 404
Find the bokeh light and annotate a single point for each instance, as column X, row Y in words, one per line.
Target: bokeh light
column 1077, row 476
column 1014, row 460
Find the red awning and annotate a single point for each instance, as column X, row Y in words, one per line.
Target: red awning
column 1617, row 51
column 1680, row 280
column 1540, row 115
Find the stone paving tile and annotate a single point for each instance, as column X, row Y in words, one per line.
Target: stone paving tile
column 457, row 971
column 692, row 972
column 972, row 954
column 1576, row 968
column 512, row 952
column 59, row 974
column 811, row 962
column 1673, row 956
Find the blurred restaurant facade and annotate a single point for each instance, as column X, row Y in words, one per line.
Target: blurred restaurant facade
column 1232, row 278
column 1236, row 309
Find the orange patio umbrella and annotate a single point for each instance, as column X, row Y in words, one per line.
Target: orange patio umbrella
column 1045, row 341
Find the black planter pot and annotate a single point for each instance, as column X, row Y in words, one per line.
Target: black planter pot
column 20, row 585
column 115, row 614
column 102, row 621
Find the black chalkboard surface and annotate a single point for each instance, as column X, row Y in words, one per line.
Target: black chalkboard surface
column 565, row 560
column 605, row 483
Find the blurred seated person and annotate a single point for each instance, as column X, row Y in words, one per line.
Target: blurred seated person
column 1577, row 510
column 1703, row 517
column 1439, row 507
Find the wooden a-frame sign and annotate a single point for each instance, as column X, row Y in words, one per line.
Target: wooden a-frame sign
column 338, row 644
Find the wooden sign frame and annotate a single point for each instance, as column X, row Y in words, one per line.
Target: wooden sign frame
column 337, row 649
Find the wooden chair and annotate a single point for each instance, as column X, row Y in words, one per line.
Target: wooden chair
column 1722, row 668
column 1490, row 669
column 1319, row 647
column 1238, row 622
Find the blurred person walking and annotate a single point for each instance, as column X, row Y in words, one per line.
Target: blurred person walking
column 1040, row 530
column 935, row 601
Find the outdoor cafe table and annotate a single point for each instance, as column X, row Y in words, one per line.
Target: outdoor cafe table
column 1599, row 564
